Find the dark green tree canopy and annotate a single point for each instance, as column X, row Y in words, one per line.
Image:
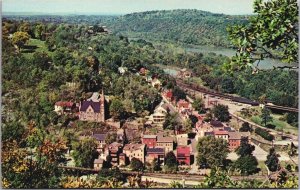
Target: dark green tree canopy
column 212, row 152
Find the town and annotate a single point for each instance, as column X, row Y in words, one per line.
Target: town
column 149, row 97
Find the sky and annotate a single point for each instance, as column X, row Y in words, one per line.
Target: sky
column 231, row 7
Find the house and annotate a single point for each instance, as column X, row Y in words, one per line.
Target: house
column 156, row 83
column 93, row 109
column 203, row 129
column 64, row 107
column 183, row 104
column 182, row 140
column 234, row 139
column 135, row 151
column 168, row 94
column 149, row 140
column 98, row 164
column 122, row 70
column 100, row 138
column 114, row 150
column 162, row 108
column 165, row 142
column 183, row 155
column 221, row 134
column 143, row 71
column 158, row 153
column 184, row 73
column 216, row 124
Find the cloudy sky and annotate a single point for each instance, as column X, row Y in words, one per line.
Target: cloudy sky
column 125, row 6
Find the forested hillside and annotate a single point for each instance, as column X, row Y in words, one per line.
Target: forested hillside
column 183, row 26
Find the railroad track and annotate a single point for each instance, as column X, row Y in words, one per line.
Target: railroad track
column 201, row 89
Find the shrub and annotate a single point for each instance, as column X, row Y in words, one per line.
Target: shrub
column 264, row 134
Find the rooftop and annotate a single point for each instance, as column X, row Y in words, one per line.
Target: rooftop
column 165, row 139
column 149, row 136
column 133, row 146
column 99, row 137
column 155, row 150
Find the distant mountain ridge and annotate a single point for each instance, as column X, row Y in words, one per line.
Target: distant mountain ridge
column 182, row 25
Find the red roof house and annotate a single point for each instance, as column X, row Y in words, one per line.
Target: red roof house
column 183, row 155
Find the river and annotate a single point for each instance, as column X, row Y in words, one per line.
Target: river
column 264, row 64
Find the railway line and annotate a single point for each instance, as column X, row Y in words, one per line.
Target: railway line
column 242, row 100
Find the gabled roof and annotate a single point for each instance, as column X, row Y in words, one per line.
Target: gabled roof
column 234, row 135
column 134, row 146
column 64, row 104
column 155, row 151
column 216, row 123
column 221, row 132
column 183, row 150
column 95, row 105
column 165, row 139
column 99, row 137
column 149, row 136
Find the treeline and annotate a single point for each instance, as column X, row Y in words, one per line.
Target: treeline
column 175, row 26
column 179, row 26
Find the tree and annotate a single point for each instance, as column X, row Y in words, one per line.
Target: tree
column 85, row 153
column 170, row 121
column 110, row 138
column 155, row 165
column 246, row 163
column 271, row 33
column 187, row 125
column 272, row 161
column 116, row 109
column 212, row 152
column 221, row 112
column 20, row 39
column 171, row 162
column 245, row 148
column 136, row 165
column 266, row 115
column 198, row 105
column 245, row 127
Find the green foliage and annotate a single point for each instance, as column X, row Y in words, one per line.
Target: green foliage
column 272, row 161
column 272, row 32
column 108, row 174
column 116, row 109
column 85, row 153
column 221, row 112
column 12, row 131
column 171, row 162
column 155, row 165
column 246, row 163
column 245, row 148
column 212, row 152
column 264, row 134
column 110, row 138
column 20, row 39
column 171, row 121
column 218, row 179
column 266, row 116
column 136, row 165
column 200, row 27
column 198, row 105
column 245, row 127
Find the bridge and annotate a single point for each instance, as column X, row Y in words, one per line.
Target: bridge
column 204, row 90
column 281, row 108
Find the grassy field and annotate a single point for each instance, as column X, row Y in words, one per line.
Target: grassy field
column 280, row 124
column 35, row 45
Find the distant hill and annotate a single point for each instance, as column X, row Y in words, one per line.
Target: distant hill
column 182, row 26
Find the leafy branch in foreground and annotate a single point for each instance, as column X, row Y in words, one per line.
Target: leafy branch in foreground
column 271, row 33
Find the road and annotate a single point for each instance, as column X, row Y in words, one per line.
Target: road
column 234, row 107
